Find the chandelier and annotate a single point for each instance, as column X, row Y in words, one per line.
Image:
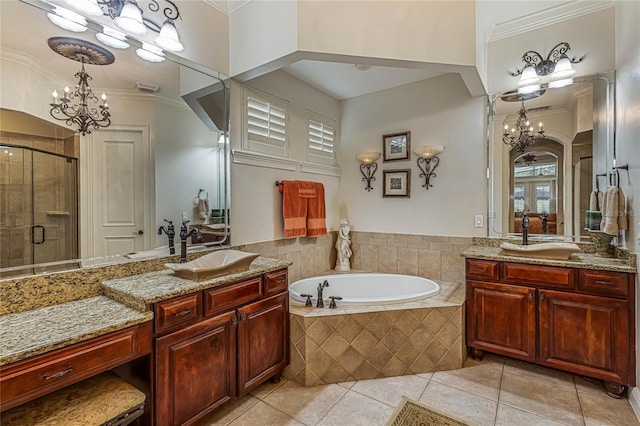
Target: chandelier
column 80, row 106
column 522, row 136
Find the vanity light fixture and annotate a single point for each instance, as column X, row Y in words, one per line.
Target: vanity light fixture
column 68, row 20
column 89, row 7
column 522, row 136
column 112, row 38
column 150, row 53
column 368, row 167
column 130, row 19
column 168, row 37
column 557, row 65
column 80, row 106
column 428, row 160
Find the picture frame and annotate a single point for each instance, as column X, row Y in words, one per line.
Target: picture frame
column 396, row 147
column 397, row 183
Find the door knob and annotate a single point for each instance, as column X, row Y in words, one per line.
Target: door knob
column 140, row 232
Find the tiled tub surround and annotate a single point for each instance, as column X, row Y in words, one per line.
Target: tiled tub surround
column 367, row 342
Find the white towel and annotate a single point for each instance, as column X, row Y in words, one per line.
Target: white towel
column 203, row 208
column 594, row 200
column 614, row 217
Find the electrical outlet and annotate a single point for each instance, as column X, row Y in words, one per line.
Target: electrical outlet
column 185, row 216
column 478, row 221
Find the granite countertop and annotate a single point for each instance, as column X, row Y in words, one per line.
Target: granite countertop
column 141, row 291
column 576, row 260
column 30, row 333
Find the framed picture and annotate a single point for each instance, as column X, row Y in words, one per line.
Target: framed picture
column 396, row 147
column 397, row 183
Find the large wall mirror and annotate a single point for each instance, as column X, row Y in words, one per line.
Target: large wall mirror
column 552, row 180
column 69, row 200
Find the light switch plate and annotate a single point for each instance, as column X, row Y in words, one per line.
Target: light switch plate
column 478, row 221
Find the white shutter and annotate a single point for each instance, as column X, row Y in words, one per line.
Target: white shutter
column 321, row 138
column 266, row 123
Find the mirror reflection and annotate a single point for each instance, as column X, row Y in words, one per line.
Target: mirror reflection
column 553, row 179
column 69, row 200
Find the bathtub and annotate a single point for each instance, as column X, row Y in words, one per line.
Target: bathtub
column 366, row 288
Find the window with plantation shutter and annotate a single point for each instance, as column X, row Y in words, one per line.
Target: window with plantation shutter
column 265, row 121
column 321, row 138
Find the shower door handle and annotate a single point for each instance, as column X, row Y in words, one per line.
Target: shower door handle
column 33, row 234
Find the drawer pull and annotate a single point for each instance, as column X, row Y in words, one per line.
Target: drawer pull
column 477, row 269
column 603, row 282
column 61, row 373
column 183, row 313
column 280, row 281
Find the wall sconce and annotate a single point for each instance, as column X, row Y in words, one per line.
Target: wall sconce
column 428, row 161
column 368, row 167
column 557, row 64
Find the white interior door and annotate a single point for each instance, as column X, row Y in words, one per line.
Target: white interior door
column 119, row 191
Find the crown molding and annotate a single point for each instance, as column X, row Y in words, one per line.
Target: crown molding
column 227, row 6
column 543, row 18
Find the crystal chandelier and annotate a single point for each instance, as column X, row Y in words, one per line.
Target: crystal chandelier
column 522, row 136
column 82, row 114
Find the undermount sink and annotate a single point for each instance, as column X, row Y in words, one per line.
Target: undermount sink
column 555, row 251
column 215, row 264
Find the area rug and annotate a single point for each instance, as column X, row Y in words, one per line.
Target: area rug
column 412, row 413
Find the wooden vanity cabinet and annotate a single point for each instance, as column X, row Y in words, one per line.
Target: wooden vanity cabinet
column 576, row 320
column 239, row 341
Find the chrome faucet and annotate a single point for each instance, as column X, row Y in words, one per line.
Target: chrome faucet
column 321, row 287
column 184, row 234
column 171, row 232
column 525, row 229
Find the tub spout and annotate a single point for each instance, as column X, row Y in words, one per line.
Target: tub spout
column 321, row 286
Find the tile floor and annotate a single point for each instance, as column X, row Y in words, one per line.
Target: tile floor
column 495, row 391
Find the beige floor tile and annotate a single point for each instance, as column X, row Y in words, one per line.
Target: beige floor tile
column 262, row 414
column 355, row 409
column 604, row 410
column 509, row 416
column 542, row 397
column 425, row 375
column 486, row 359
column 265, row 389
column 231, row 412
column 522, row 368
column 347, row 385
column 390, row 390
column 463, row 405
column 479, row 379
column 591, row 386
column 306, row 404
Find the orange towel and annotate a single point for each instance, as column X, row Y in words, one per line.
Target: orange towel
column 306, row 189
column 294, row 210
column 316, row 214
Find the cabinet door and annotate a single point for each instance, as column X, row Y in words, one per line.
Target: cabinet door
column 588, row 335
column 195, row 370
column 263, row 341
column 502, row 319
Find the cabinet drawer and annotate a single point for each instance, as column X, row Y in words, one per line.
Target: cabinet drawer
column 230, row 296
column 29, row 379
column 275, row 282
column 547, row 276
column 179, row 311
column 483, row 269
column 604, row 283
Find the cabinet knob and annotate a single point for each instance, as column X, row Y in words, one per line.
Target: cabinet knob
column 244, row 317
column 530, row 297
column 541, row 297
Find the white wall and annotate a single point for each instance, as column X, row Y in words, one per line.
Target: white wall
column 437, row 111
column 627, row 131
column 256, row 213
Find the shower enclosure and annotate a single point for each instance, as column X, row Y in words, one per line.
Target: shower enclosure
column 38, row 210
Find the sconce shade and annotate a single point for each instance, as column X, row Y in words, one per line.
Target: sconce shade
column 150, row 53
column 368, row 157
column 112, row 38
column 130, row 19
column 563, row 68
column 90, row 7
column 68, row 20
column 528, row 76
column 428, row 151
column 560, row 83
column 529, row 89
column 168, row 38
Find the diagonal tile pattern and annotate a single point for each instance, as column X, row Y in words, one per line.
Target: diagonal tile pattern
column 495, row 391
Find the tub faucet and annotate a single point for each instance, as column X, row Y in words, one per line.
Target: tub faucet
column 321, row 287
column 525, row 229
column 171, row 232
column 184, row 234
